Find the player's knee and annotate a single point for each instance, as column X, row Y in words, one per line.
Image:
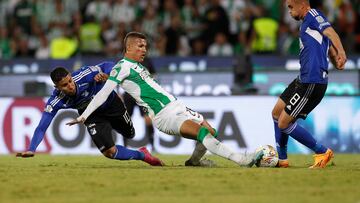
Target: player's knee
column 283, row 124
column 275, row 114
column 110, row 153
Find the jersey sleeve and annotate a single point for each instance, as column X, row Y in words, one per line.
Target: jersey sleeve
column 319, row 22
column 40, row 130
column 51, row 108
column 119, row 73
column 106, row 67
column 87, row 73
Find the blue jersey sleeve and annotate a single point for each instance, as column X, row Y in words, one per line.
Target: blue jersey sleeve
column 52, row 107
column 87, row 73
column 106, row 66
column 319, row 22
column 40, row 130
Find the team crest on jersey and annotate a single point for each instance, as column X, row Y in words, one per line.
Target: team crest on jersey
column 85, row 94
column 48, row 109
column 320, row 19
column 113, row 73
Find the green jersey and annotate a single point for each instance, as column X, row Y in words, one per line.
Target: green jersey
column 136, row 80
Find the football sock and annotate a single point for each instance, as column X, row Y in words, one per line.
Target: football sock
column 199, row 151
column 149, row 131
column 304, row 137
column 218, row 148
column 123, row 153
column 281, row 141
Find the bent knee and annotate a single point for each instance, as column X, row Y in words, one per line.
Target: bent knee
column 283, row 124
column 110, row 153
column 275, row 114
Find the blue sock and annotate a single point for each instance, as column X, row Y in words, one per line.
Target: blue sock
column 122, row 153
column 281, row 141
column 304, row 137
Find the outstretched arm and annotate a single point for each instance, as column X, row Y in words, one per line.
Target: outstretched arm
column 98, row 100
column 337, row 53
column 38, row 136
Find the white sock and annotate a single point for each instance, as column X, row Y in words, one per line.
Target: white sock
column 198, row 153
column 218, row 148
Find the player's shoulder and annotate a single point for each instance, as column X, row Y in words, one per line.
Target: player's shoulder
column 316, row 15
column 55, row 101
column 106, row 64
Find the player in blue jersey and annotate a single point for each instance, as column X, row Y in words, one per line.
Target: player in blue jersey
column 318, row 40
column 75, row 91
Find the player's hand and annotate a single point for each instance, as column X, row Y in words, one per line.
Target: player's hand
column 101, row 77
column 26, row 154
column 340, row 60
column 76, row 121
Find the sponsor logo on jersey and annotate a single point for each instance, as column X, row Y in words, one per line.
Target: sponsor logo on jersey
column 92, row 131
column 325, row 75
column 48, row 109
column 288, row 107
column 85, row 94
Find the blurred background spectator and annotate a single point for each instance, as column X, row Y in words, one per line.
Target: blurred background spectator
column 31, row 28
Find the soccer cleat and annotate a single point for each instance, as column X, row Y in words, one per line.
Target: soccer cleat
column 150, row 159
column 203, row 163
column 283, row 163
column 322, row 159
column 257, row 158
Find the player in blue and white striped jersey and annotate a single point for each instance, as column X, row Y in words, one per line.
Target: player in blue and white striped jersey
column 75, row 91
column 318, row 40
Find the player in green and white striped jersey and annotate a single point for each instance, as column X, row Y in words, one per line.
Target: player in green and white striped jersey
column 169, row 115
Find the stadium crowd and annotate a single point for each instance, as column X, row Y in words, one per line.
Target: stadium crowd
column 63, row 28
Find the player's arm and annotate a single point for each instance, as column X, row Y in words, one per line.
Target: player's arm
column 102, row 71
column 336, row 52
column 98, row 100
column 38, row 136
column 332, row 56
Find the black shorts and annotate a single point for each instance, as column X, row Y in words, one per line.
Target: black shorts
column 100, row 124
column 130, row 104
column 302, row 98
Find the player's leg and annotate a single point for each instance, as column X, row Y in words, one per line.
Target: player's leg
column 305, row 99
column 280, row 137
column 192, row 130
column 149, row 131
column 129, row 105
column 200, row 150
column 102, row 137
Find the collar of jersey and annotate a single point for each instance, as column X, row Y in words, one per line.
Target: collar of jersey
column 130, row 60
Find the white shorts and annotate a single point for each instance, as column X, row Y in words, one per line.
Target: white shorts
column 170, row 118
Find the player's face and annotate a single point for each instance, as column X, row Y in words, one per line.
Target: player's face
column 137, row 49
column 293, row 9
column 67, row 85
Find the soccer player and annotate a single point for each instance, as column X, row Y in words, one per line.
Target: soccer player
column 75, row 91
column 169, row 114
column 130, row 104
column 317, row 41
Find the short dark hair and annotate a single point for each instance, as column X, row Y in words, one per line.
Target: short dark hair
column 58, row 74
column 131, row 35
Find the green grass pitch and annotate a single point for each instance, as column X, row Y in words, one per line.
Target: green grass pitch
column 46, row 178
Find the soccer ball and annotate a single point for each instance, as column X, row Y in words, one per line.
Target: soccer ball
column 270, row 158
